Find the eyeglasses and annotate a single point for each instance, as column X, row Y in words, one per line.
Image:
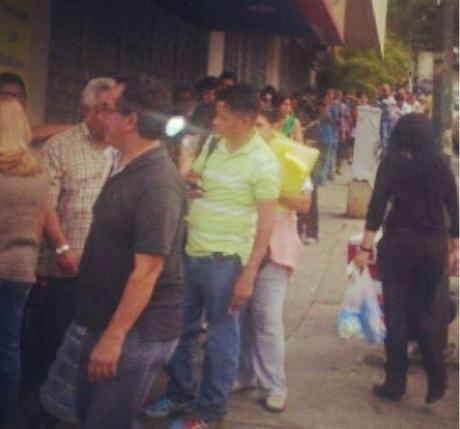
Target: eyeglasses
column 104, row 109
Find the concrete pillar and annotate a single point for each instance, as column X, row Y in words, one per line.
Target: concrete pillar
column 40, row 23
column 274, row 62
column 359, row 196
column 216, row 53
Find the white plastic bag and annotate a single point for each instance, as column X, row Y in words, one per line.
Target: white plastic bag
column 371, row 313
column 360, row 315
column 349, row 321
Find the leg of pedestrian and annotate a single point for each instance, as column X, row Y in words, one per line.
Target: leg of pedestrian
column 269, row 348
column 182, row 387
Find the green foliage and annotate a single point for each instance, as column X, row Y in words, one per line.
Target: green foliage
column 354, row 70
column 415, row 22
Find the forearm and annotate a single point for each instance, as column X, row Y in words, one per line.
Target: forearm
column 368, row 239
column 53, row 229
column 133, row 302
column 262, row 239
column 299, row 203
column 45, row 131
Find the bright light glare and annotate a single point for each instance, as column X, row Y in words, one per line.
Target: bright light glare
column 174, row 126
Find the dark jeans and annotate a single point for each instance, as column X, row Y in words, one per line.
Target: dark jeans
column 412, row 267
column 312, row 216
column 49, row 311
column 13, row 296
column 308, row 223
column 208, row 289
column 115, row 402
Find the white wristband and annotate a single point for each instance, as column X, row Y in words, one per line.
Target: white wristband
column 62, row 249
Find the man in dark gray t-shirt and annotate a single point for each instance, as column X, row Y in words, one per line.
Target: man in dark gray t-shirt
column 130, row 281
column 138, row 211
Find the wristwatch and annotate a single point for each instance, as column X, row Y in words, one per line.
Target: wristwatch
column 62, row 249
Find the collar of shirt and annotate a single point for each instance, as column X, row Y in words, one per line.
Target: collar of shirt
column 137, row 162
column 246, row 148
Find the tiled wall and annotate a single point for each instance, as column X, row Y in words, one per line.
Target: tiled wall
column 109, row 37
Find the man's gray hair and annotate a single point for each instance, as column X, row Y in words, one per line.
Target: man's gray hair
column 93, row 87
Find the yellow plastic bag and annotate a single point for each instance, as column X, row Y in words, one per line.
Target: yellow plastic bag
column 296, row 162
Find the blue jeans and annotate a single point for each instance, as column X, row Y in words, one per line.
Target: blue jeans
column 13, row 296
column 327, row 167
column 115, row 402
column 262, row 333
column 209, row 289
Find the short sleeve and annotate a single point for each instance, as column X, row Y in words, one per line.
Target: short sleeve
column 52, row 160
column 158, row 218
column 267, row 179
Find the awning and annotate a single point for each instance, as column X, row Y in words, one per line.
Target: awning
column 355, row 23
column 295, row 18
column 365, row 24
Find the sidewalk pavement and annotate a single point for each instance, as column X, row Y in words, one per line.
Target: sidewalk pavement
column 330, row 379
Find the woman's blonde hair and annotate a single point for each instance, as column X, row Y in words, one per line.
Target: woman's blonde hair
column 16, row 157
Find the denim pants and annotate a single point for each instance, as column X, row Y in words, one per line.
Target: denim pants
column 262, row 333
column 208, row 289
column 327, row 167
column 115, row 402
column 48, row 313
column 13, row 296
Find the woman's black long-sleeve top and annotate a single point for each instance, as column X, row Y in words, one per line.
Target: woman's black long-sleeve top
column 414, row 204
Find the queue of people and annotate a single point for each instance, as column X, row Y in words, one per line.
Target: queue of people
column 136, row 255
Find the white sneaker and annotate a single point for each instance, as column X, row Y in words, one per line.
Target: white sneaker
column 311, row 240
column 275, row 403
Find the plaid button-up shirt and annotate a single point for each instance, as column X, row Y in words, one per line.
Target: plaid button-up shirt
column 78, row 169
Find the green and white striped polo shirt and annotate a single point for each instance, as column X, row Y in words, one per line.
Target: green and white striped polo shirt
column 224, row 219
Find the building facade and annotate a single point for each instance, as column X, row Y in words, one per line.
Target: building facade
column 58, row 45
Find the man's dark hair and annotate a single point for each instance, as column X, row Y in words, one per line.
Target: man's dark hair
column 12, row 79
column 228, row 75
column 206, row 84
column 148, row 101
column 241, row 98
column 269, row 89
column 179, row 91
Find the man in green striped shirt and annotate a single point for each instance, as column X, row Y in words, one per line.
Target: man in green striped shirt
column 229, row 229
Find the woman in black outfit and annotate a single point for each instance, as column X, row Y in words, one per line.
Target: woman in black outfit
column 414, row 190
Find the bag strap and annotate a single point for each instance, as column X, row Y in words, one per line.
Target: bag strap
column 211, row 148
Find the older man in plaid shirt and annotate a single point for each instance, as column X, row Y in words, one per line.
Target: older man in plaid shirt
column 78, row 162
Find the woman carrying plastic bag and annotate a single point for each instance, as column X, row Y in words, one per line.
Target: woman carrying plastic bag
column 417, row 186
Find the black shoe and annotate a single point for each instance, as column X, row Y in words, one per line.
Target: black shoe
column 435, row 392
column 389, row 391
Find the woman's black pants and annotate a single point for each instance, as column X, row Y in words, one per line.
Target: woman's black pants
column 412, row 267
